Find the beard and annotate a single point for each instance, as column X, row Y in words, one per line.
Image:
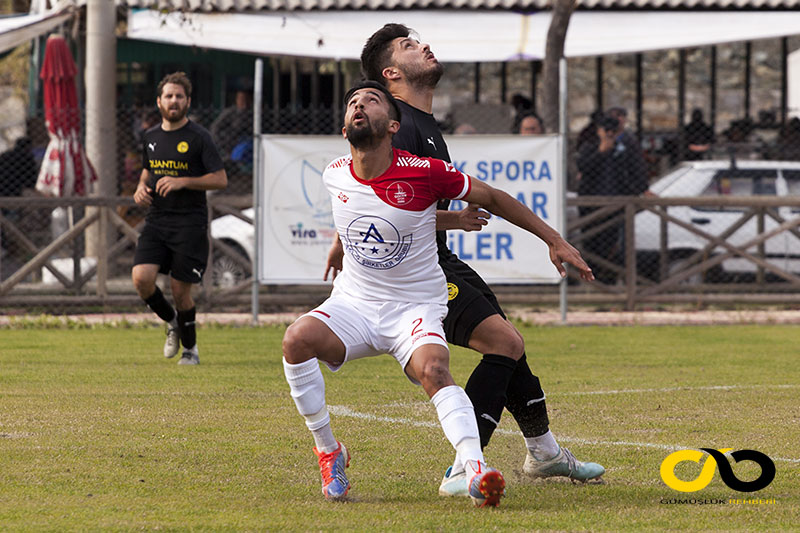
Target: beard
column 424, row 76
column 173, row 114
column 365, row 136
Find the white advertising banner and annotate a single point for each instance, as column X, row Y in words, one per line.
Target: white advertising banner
column 527, row 168
column 296, row 226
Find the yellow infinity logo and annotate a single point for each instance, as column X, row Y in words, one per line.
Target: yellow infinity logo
column 717, row 459
column 672, row 460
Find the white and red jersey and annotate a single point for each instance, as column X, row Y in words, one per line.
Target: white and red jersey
column 387, row 226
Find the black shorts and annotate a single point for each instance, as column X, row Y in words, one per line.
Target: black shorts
column 469, row 301
column 180, row 252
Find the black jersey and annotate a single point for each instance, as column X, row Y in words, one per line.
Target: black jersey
column 185, row 152
column 419, row 134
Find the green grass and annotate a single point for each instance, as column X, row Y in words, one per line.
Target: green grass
column 98, row 431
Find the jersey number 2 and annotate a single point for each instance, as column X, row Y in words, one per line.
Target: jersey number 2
column 417, row 324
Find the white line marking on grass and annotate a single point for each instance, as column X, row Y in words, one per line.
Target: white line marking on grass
column 675, row 389
column 340, row 410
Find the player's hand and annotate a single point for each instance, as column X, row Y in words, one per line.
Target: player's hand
column 334, row 264
column 143, row 195
column 473, row 218
column 563, row 252
column 166, row 185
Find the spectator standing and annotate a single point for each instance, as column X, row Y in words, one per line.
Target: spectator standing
column 789, row 141
column 234, row 125
column 698, row 137
column 589, row 132
column 18, row 168
column 612, row 167
column 18, row 172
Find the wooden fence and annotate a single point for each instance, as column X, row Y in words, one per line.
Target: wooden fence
column 669, row 278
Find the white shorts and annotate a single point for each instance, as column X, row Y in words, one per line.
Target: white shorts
column 369, row 328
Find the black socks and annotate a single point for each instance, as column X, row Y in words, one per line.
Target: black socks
column 526, row 401
column 160, row 306
column 186, row 326
column 486, row 389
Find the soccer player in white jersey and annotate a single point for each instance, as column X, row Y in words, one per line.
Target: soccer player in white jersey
column 391, row 295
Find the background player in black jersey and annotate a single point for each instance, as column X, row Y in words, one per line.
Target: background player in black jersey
column 394, row 57
column 179, row 164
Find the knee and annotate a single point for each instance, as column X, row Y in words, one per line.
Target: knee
column 504, row 340
column 434, row 375
column 510, row 345
column 295, row 345
column 145, row 287
column 516, row 344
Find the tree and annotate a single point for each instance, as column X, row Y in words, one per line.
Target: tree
column 554, row 51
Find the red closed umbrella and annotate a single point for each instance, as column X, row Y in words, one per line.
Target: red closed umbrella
column 65, row 170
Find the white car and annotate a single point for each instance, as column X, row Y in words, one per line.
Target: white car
column 228, row 270
column 721, row 179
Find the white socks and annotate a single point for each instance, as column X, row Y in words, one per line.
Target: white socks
column 308, row 391
column 457, row 417
column 543, row 447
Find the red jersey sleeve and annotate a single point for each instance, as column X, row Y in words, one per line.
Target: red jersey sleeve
column 447, row 181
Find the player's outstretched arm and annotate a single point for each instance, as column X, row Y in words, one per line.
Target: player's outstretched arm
column 503, row 205
column 334, row 264
column 471, row 218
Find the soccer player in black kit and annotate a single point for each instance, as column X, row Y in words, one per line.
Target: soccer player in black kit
column 179, row 164
column 410, row 71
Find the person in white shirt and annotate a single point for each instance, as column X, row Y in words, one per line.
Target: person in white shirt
column 390, row 293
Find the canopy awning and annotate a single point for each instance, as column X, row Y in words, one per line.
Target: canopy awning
column 19, row 29
column 458, row 36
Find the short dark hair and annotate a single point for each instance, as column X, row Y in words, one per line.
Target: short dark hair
column 377, row 52
column 617, row 112
column 609, row 123
column 522, row 116
column 394, row 109
column 178, row 78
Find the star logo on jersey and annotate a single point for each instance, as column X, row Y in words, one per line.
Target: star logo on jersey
column 430, row 141
column 183, row 147
column 151, row 147
column 399, row 193
column 374, row 242
column 343, row 197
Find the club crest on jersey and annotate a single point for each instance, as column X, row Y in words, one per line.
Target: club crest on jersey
column 399, row 193
column 374, row 242
column 183, row 147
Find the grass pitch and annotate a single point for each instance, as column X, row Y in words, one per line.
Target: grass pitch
column 98, row 431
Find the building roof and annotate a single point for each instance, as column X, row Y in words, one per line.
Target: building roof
column 533, row 5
